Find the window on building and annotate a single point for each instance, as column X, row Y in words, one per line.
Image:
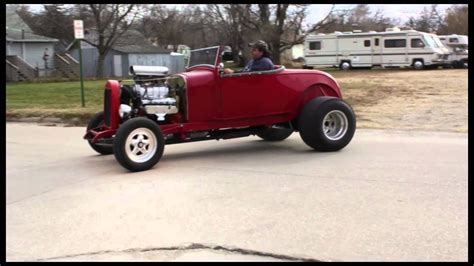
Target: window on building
column 395, row 43
column 315, row 45
column 417, row 43
column 367, row 43
column 377, row 42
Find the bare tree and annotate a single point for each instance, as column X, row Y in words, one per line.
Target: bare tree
column 227, row 23
column 359, row 18
column 455, row 21
column 110, row 21
column 55, row 21
column 164, row 26
column 273, row 22
column 428, row 21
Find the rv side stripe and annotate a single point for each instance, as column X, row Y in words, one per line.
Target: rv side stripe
column 365, row 54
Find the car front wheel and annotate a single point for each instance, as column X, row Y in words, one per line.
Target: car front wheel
column 138, row 144
column 327, row 124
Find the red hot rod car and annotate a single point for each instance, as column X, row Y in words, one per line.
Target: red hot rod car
column 203, row 103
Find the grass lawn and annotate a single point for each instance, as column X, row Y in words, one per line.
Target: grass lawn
column 57, row 99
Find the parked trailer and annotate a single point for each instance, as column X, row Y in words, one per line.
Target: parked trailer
column 458, row 48
column 392, row 48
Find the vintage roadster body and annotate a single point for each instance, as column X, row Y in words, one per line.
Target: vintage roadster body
column 203, row 103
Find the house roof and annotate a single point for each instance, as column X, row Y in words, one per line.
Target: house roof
column 16, row 35
column 13, row 20
column 143, row 48
column 131, row 42
column 15, row 25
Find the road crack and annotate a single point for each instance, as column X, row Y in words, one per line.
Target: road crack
column 191, row 246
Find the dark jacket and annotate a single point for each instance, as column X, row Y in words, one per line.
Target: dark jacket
column 261, row 64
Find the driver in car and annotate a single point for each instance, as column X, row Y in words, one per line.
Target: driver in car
column 260, row 59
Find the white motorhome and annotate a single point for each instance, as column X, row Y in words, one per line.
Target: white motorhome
column 458, row 47
column 392, row 48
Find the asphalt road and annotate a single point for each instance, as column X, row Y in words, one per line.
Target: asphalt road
column 388, row 196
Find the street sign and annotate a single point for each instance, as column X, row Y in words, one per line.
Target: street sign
column 78, row 29
column 78, row 35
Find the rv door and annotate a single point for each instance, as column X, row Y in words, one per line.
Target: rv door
column 376, row 51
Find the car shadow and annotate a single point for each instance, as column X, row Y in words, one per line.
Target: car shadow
column 228, row 151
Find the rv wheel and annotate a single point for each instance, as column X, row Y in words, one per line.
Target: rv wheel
column 418, row 65
column 345, row 66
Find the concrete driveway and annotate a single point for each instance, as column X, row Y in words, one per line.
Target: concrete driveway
column 388, row 196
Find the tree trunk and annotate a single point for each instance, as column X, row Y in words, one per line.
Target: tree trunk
column 275, row 51
column 100, row 65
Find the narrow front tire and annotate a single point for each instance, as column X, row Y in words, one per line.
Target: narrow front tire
column 138, row 144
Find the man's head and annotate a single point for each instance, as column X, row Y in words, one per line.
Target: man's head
column 258, row 49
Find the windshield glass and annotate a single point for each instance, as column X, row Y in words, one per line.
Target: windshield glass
column 204, row 56
column 429, row 41
column 438, row 41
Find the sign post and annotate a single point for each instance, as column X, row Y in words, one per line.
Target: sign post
column 79, row 35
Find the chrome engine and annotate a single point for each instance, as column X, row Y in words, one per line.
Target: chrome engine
column 151, row 86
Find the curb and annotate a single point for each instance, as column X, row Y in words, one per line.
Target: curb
column 50, row 121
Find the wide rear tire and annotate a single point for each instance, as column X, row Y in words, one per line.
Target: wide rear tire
column 138, row 144
column 327, row 124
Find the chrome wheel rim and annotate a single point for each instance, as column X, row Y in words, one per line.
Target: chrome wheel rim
column 345, row 66
column 335, row 125
column 141, row 145
column 418, row 64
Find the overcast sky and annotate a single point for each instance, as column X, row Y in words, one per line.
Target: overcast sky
column 317, row 12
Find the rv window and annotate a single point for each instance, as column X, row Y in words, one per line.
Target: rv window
column 453, row 40
column 367, row 43
column 417, row 43
column 377, row 42
column 395, row 43
column 315, row 45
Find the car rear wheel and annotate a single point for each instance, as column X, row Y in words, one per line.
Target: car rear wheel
column 97, row 121
column 139, row 144
column 327, row 124
column 269, row 133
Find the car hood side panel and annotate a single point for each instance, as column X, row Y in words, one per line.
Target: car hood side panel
column 201, row 94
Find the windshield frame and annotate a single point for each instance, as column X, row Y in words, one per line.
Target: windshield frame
column 216, row 61
column 429, row 41
column 438, row 41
